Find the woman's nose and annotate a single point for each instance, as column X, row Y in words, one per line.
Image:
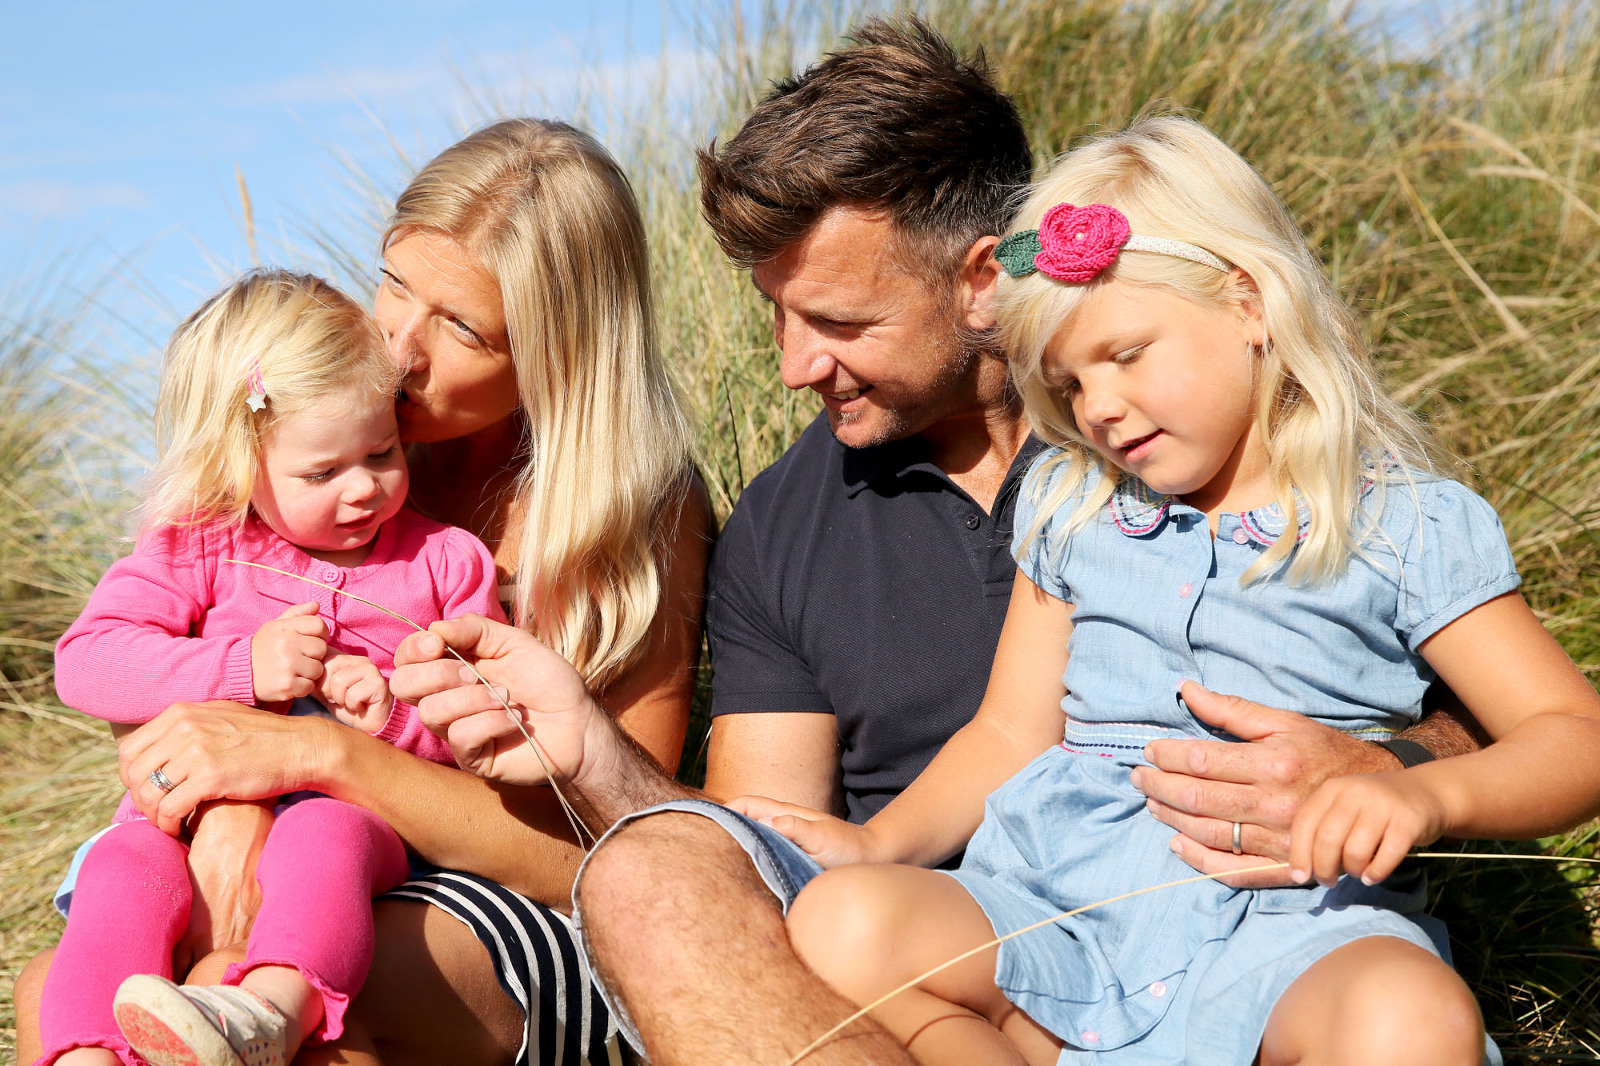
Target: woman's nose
column 403, row 335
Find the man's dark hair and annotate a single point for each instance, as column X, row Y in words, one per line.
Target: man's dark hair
column 898, row 121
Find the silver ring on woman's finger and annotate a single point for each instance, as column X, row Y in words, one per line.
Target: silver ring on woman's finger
column 159, row 779
column 1238, row 831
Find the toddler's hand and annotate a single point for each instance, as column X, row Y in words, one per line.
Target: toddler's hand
column 286, row 654
column 1363, row 825
column 355, row 691
column 831, row 841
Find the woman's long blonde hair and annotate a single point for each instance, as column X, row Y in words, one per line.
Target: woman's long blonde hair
column 300, row 338
column 550, row 215
column 1326, row 420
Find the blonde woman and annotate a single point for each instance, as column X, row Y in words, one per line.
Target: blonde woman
column 514, row 293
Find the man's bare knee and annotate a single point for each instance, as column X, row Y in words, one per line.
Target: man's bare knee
column 664, row 883
column 664, row 857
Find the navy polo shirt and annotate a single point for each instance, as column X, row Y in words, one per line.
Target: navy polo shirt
column 863, row 583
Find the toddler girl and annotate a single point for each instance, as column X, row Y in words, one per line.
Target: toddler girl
column 1231, row 500
column 277, row 440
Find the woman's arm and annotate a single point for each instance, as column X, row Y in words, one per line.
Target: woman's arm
column 937, row 814
column 1540, row 776
column 516, row 836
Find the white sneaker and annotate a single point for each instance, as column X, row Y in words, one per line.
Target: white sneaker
column 199, row 1025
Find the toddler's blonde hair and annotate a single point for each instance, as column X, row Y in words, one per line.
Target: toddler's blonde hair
column 1325, row 418
column 553, row 219
column 306, row 339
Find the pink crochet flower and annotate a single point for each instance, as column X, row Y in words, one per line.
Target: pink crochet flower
column 1076, row 243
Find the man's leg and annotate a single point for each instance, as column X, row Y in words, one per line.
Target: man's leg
column 692, row 943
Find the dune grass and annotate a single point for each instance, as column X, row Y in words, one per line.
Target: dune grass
column 1447, row 169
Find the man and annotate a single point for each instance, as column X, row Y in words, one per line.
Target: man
column 857, row 593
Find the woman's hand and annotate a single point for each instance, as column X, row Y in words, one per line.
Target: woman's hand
column 286, row 654
column 545, row 693
column 355, row 690
column 220, row 750
column 831, row 841
column 1363, row 826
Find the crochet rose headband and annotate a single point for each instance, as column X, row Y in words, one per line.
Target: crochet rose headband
column 1076, row 243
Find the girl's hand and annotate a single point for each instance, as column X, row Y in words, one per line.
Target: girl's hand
column 831, row 841
column 1364, row 826
column 355, row 690
column 545, row 692
column 286, row 654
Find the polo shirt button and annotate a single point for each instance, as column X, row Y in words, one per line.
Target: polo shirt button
column 1240, row 536
column 330, row 573
column 973, row 521
column 1090, row 1036
column 1158, row 989
column 1185, row 589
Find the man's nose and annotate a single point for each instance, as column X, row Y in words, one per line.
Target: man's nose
column 806, row 360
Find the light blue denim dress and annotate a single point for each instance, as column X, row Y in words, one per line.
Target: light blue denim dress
column 1191, row 973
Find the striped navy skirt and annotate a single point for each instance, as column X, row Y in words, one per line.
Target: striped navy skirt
column 538, row 963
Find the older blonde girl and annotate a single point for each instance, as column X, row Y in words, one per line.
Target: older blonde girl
column 1231, row 500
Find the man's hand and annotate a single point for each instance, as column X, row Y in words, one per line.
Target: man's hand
column 354, row 689
column 286, row 654
column 1201, row 787
column 546, row 695
column 831, row 841
column 228, row 838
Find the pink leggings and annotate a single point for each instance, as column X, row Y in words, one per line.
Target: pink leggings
column 321, row 866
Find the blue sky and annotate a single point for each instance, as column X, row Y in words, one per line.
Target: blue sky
column 123, row 126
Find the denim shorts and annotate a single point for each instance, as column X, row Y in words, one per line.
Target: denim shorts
column 783, row 867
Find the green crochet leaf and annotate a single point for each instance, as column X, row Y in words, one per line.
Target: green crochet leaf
column 1016, row 253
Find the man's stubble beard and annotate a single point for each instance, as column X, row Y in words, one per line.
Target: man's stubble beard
column 944, row 395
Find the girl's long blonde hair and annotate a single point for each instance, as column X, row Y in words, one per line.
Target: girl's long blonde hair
column 1326, row 420
column 550, row 215
column 304, row 341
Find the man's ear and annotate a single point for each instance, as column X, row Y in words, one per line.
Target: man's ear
column 977, row 283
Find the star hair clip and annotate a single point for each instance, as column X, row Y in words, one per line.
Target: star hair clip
column 257, row 400
column 1074, row 244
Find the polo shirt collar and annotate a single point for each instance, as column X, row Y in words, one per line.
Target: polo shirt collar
column 866, row 466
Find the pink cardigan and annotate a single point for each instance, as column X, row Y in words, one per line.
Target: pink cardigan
column 172, row 622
